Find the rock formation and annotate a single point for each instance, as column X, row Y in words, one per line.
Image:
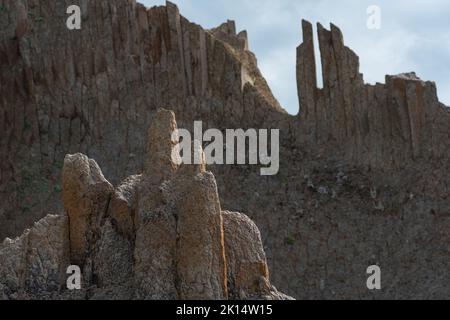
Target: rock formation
column 33, row 265
column 380, row 125
column 174, row 243
column 98, row 96
column 363, row 175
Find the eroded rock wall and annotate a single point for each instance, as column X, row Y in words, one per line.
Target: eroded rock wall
column 382, row 125
column 359, row 164
column 176, row 249
column 95, row 91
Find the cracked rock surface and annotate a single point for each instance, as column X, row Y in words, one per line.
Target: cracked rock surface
column 364, row 171
column 153, row 237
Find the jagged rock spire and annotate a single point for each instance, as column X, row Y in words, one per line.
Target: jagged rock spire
column 159, row 235
column 227, row 32
column 362, row 123
column 306, row 74
column 162, row 139
column 201, row 265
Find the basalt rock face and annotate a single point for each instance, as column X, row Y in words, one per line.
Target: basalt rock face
column 95, row 91
column 168, row 245
column 384, row 125
column 363, row 168
column 33, row 265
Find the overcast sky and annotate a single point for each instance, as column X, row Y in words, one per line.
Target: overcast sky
column 414, row 36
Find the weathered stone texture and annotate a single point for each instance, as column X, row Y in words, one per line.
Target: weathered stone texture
column 386, row 125
column 33, row 265
column 201, row 265
column 243, row 241
column 96, row 90
column 86, row 195
column 142, row 246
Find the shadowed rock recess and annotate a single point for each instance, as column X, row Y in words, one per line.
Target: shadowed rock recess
column 158, row 236
column 364, row 171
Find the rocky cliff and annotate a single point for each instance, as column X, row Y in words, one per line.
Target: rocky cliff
column 159, row 235
column 95, row 90
column 382, row 125
column 364, row 168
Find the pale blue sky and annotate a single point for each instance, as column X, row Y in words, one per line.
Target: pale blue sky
column 414, row 36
